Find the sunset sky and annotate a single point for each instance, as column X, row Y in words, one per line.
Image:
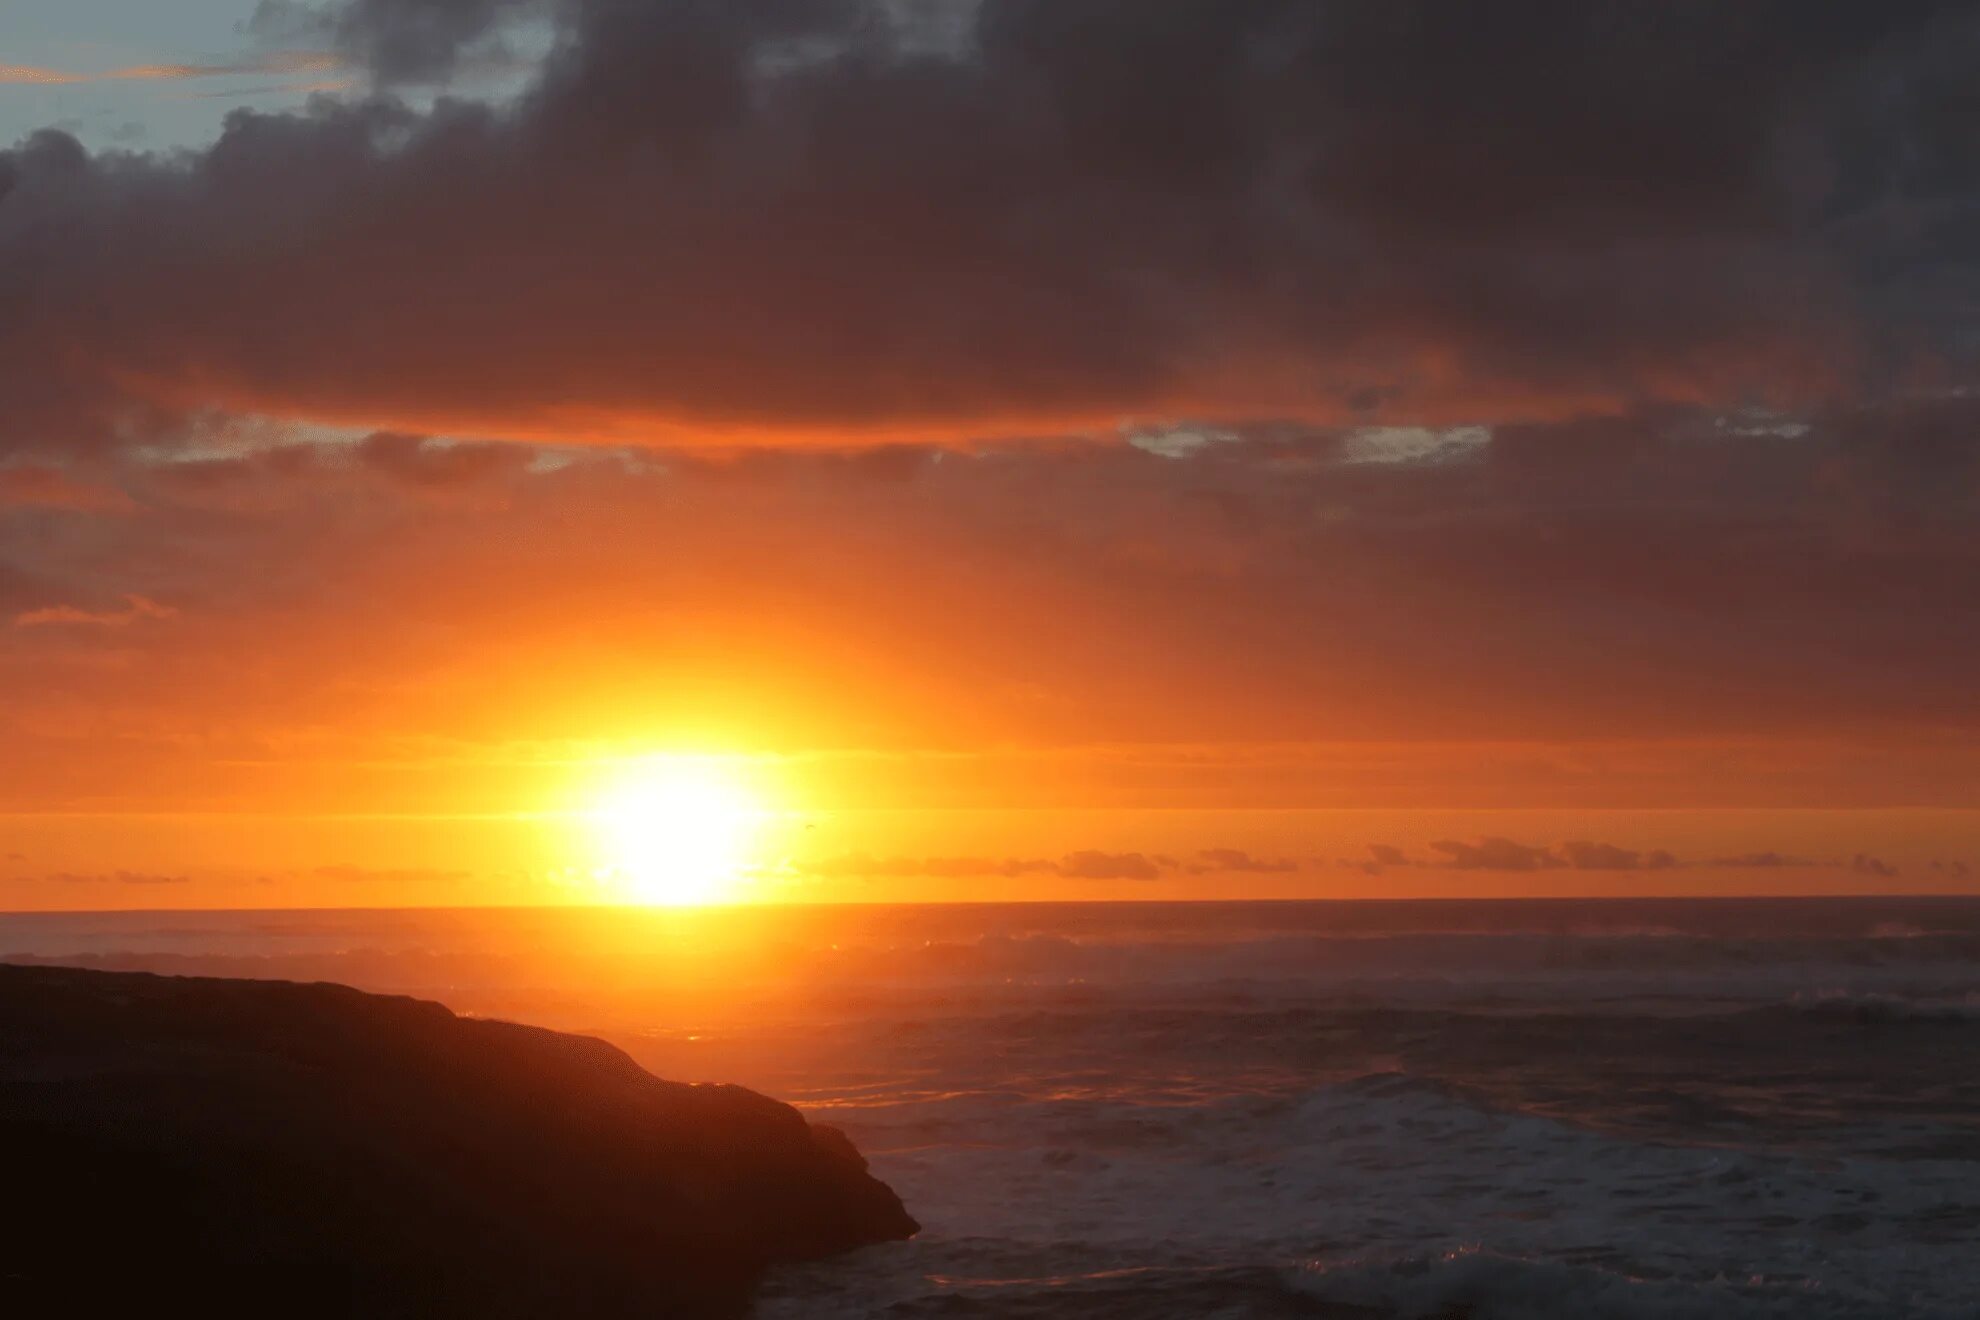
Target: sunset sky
column 1024, row 449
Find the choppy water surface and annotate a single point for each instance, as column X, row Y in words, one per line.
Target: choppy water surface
column 1493, row 1110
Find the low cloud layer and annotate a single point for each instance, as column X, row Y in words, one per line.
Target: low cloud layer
column 91, row 879
column 1768, row 860
column 1488, row 854
column 1495, row 854
column 393, row 877
column 1502, row 854
column 1235, row 861
column 1874, row 867
column 1082, row 864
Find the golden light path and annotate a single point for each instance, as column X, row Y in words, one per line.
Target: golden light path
column 676, row 831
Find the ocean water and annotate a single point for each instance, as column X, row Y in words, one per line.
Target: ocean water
column 1491, row 1110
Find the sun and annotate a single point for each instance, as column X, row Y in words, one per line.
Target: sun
column 676, row 832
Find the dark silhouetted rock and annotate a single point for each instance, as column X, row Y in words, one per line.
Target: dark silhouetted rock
column 272, row 1149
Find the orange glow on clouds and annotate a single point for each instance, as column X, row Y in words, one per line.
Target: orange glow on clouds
column 280, row 62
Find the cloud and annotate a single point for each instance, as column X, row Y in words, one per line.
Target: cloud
column 1085, row 864
column 1585, row 856
column 1381, row 856
column 399, row 41
column 135, row 608
column 1495, row 855
column 140, row 878
column 1091, row 865
column 1763, row 860
column 841, row 223
column 1235, row 860
column 437, row 464
column 367, row 875
column 277, row 62
column 860, row 866
column 1863, row 864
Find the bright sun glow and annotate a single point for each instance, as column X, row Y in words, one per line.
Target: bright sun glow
column 677, row 832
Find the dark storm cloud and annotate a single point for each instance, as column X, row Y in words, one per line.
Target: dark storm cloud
column 853, row 217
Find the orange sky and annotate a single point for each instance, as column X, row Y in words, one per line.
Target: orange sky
column 1057, row 457
column 263, row 860
column 275, row 669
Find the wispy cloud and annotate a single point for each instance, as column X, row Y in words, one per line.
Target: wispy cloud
column 1084, row 864
column 278, row 62
column 115, row 878
column 302, row 88
column 1497, row 854
column 136, row 608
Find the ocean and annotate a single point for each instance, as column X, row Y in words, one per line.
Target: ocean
column 1506, row 1110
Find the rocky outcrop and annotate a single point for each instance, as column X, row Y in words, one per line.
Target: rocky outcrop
column 274, row 1149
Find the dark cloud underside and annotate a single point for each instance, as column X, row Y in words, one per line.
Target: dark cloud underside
column 786, row 219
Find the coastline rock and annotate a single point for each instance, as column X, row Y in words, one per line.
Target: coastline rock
column 271, row 1148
